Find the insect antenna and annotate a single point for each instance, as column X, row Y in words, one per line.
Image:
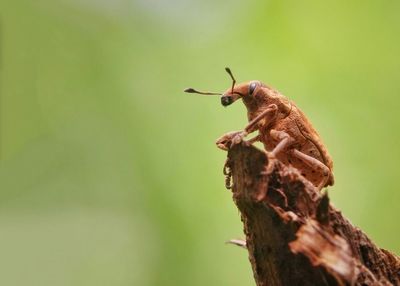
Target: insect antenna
column 192, row 90
column 228, row 70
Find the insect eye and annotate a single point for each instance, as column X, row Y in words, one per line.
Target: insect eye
column 252, row 87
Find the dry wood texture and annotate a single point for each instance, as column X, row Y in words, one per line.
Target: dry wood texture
column 294, row 236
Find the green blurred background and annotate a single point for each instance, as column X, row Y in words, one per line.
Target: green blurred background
column 109, row 174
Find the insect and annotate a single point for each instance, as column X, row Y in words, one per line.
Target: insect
column 282, row 127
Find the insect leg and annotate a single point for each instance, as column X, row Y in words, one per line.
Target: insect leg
column 316, row 164
column 225, row 141
column 269, row 114
column 228, row 140
column 284, row 141
column 254, row 139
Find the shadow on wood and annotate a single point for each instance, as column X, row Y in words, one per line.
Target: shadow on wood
column 294, row 236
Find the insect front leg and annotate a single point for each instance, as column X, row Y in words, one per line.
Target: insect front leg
column 254, row 139
column 269, row 114
column 228, row 140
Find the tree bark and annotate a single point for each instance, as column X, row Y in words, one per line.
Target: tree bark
column 294, row 236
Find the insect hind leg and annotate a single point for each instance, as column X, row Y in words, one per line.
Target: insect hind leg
column 315, row 164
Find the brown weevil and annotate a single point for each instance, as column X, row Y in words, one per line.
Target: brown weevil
column 282, row 127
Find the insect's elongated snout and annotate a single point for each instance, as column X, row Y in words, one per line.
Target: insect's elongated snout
column 226, row 100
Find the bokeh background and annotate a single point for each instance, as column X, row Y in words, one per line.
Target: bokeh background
column 109, row 174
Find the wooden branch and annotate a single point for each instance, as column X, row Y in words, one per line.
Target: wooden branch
column 294, row 236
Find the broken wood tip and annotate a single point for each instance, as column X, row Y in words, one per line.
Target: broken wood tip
column 293, row 235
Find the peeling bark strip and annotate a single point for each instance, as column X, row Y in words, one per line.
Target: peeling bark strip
column 294, row 236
